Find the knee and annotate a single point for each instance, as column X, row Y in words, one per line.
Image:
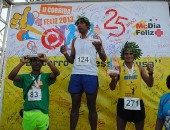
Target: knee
column 74, row 112
column 92, row 109
column 75, row 109
column 94, row 112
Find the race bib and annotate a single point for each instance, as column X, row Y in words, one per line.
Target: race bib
column 34, row 94
column 83, row 60
column 132, row 103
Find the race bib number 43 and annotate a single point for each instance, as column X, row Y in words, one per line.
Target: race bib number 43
column 83, row 60
column 132, row 103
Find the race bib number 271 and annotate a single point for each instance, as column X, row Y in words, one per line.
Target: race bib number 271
column 132, row 103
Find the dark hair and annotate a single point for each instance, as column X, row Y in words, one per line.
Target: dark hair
column 168, row 82
column 133, row 47
column 84, row 20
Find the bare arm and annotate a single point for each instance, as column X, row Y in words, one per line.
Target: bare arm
column 63, row 50
column 102, row 54
column 55, row 71
column 114, row 79
column 148, row 78
column 13, row 74
column 100, row 50
column 159, row 124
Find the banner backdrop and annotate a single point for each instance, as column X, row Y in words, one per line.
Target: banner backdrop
column 45, row 27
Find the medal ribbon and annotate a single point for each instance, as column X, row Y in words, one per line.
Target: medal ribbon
column 36, row 82
column 130, row 72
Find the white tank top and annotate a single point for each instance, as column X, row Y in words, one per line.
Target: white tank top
column 85, row 48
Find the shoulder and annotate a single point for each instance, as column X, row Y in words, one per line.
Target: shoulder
column 21, row 78
column 165, row 95
column 47, row 78
column 24, row 75
column 140, row 67
column 45, row 74
column 165, row 98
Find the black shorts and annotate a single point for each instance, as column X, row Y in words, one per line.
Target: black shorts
column 130, row 115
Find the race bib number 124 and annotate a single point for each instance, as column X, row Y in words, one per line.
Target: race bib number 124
column 83, row 60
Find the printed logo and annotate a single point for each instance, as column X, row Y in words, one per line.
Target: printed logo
column 149, row 28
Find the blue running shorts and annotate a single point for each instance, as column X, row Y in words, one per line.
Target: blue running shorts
column 83, row 83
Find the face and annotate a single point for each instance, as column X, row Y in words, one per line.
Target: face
column 36, row 64
column 128, row 56
column 82, row 27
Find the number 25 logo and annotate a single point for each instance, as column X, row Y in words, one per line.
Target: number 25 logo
column 118, row 22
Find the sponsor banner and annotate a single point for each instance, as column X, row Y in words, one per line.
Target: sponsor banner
column 45, row 27
column 60, row 100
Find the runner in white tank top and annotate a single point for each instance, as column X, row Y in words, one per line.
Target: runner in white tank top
column 84, row 73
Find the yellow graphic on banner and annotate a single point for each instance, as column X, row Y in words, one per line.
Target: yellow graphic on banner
column 60, row 101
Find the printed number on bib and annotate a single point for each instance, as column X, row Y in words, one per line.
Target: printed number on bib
column 34, row 94
column 132, row 104
column 83, row 60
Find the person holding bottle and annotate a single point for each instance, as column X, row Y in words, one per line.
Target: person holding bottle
column 130, row 106
column 84, row 77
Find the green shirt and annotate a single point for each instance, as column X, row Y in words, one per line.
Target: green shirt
column 25, row 82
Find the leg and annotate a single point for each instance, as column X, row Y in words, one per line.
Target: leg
column 42, row 120
column 123, row 116
column 139, row 125
column 121, row 123
column 74, row 115
column 29, row 120
column 91, row 103
column 140, row 118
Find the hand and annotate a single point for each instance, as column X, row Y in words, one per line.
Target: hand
column 42, row 57
column 150, row 68
column 114, row 76
column 97, row 45
column 25, row 59
column 96, row 30
column 63, row 49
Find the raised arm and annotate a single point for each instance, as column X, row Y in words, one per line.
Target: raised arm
column 114, row 79
column 63, row 50
column 55, row 71
column 99, row 48
column 13, row 74
column 147, row 77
